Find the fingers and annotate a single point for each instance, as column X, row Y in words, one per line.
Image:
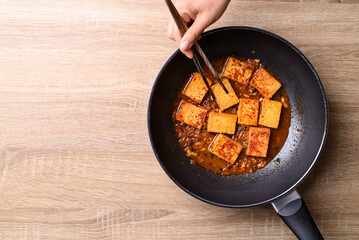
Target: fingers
column 174, row 34
column 188, row 53
column 203, row 13
column 170, row 30
column 193, row 33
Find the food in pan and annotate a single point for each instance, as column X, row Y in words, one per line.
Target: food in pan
column 235, row 133
column 224, row 100
column 221, row 122
column 270, row 113
column 248, row 111
column 258, row 141
column 196, row 88
column 237, row 70
column 265, row 83
column 225, row 148
column 191, row 114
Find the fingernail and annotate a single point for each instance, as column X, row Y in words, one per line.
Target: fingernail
column 184, row 46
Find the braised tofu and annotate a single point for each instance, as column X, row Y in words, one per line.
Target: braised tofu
column 270, row 113
column 196, row 89
column 237, row 70
column 258, row 141
column 265, row 83
column 225, row 148
column 221, row 123
column 223, row 99
column 191, row 114
column 248, row 111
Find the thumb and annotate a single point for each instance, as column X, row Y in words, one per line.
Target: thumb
column 193, row 33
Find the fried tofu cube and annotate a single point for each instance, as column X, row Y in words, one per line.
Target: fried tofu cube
column 191, row 114
column 248, row 111
column 225, row 148
column 221, row 123
column 223, row 99
column 196, row 89
column 258, row 141
column 270, row 113
column 237, row 70
column 265, row 83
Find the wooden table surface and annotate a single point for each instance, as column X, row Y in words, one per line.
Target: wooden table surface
column 75, row 160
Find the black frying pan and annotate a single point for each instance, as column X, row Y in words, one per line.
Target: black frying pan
column 275, row 183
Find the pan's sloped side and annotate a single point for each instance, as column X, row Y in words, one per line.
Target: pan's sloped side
column 307, row 132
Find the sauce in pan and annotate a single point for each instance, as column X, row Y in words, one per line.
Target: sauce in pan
column 195, row 142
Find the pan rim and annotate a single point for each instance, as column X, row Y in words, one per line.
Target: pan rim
column 320, row 149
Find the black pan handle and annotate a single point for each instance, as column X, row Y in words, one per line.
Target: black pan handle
column 292, row 210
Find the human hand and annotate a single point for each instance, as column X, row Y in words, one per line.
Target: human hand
column 203, row 13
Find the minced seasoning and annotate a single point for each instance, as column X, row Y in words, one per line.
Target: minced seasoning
column 195, row 142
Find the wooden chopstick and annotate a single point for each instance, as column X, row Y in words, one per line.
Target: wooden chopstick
column 208, row 63
column 200, row 70
column 183, row 28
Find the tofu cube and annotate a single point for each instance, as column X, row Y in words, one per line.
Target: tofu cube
column 248, row 111
column 265, row 83
column 237, row 70
column 191, row 114
column 196, row 89
column 225, row 148
column 223, row 99
column 270, row 113
column 221, row 123
column 258, row 141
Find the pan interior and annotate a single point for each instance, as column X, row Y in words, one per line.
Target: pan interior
column 306, row 134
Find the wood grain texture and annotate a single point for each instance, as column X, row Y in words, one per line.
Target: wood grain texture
column 75, row 159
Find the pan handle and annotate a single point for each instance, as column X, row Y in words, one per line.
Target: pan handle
column 292, row 210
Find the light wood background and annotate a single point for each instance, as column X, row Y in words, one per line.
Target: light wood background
column 75, row 159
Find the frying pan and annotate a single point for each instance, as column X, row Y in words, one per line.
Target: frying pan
column 276, row 183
